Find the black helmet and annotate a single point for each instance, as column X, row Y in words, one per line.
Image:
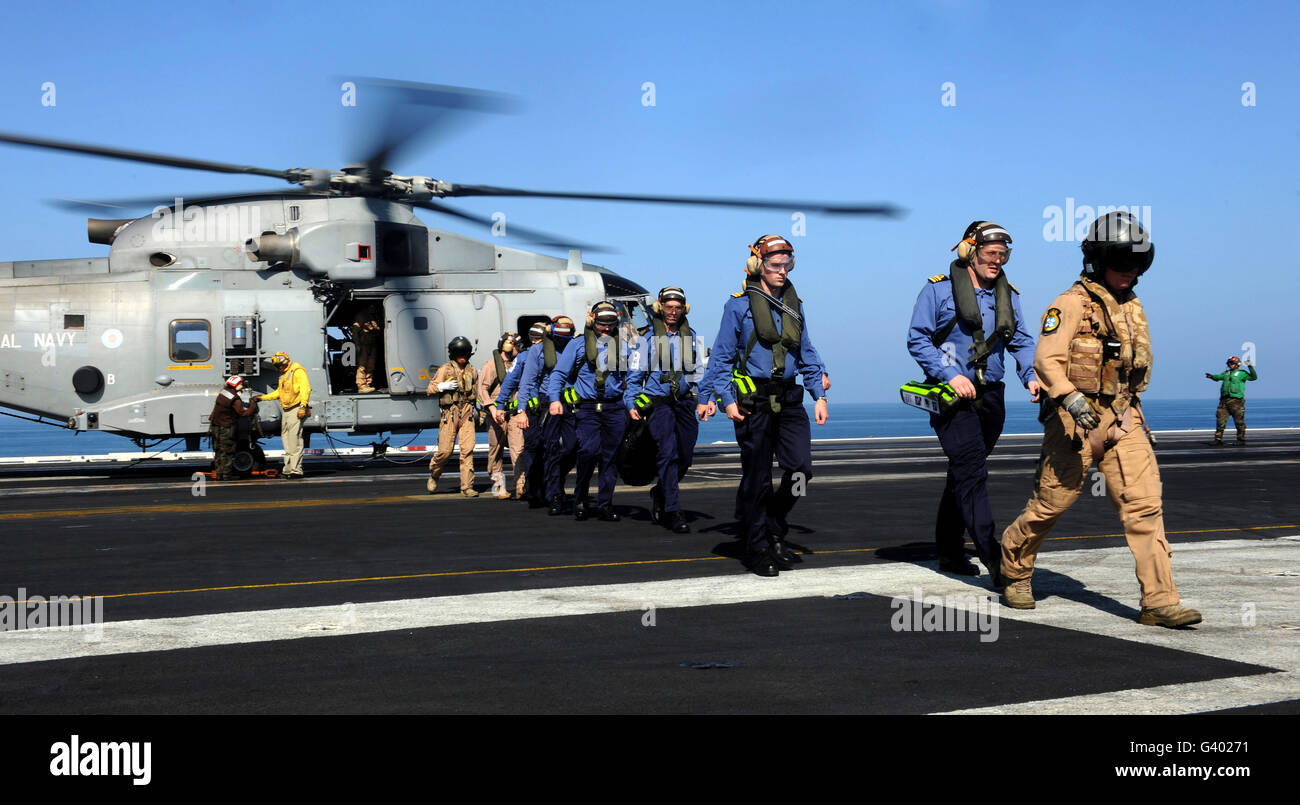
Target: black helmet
column 1117, row 241
column 460, row 347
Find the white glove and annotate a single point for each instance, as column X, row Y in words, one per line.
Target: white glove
column 1077, row 405
column 447, row 385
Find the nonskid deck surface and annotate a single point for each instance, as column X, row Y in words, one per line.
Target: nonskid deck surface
column 516, row 611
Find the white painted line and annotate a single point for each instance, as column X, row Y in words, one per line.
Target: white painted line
column 1227, row 580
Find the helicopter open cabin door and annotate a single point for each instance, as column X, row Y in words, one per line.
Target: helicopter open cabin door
column 415, row 344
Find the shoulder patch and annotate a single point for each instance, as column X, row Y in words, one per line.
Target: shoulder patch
column 1051, row 320
column 1012, row 287
column 737, row 294
column 938, row 278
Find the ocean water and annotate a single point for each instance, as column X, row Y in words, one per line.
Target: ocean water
column 847, row 421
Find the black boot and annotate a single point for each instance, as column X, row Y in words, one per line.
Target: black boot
column 580, row 510
column 656, row 504
column 557, row 505
column 763, row 564
column 678, row 522
column 607, row 516
column 786, row 558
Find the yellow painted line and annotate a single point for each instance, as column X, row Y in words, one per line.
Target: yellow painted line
column 632, row 563
column 204, row 366
column 175, row 508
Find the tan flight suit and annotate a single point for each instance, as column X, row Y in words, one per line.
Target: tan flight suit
column 500, row 435
column 1069, row 359
column 367, row 333
column 457, row 422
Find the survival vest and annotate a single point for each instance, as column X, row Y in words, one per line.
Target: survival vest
column 465, row 380
column 1105, row 358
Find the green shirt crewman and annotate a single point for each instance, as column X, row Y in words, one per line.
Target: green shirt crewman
column 1232, row 398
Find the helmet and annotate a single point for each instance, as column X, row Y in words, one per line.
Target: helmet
column 1234, row 359
column 234, row 381
column 670, row 293
column 513, row 338
column 281, row 359
column 764, row 248
column 978, row 234
column 562, row 326
column 769, row 245
column 1117, row 241
column 460, row 347
column 537, row 331
column 604, row 313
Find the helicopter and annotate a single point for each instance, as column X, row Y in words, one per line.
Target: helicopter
column 138, row 342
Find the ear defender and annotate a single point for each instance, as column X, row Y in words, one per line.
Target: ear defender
column 980, row 232
column 966, row 248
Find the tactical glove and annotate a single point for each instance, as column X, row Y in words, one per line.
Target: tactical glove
column 1077, row 405
column 447, row 385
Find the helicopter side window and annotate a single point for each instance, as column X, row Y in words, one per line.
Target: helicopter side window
column 191, row 340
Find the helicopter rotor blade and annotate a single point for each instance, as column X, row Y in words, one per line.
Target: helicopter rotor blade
column 414, row 112
column 144, row 156
column 887, row 210
column 534, row 236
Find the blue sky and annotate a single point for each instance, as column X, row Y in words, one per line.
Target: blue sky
column 1138, row 106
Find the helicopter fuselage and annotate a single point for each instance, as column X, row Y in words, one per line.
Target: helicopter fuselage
column 139, row 342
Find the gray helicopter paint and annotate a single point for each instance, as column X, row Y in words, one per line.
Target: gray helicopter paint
column 450, row 285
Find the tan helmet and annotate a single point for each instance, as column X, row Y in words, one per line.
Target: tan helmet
column 764, row 248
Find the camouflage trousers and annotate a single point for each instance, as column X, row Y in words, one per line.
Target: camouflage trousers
column 223, row 445
column 1236, row 406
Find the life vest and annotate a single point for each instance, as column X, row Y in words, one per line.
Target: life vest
column 968, row 311
column 591, row 343
column 499, row 362
column 791, row 335
column 663, row 359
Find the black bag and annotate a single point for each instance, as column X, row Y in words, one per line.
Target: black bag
column 637, row 455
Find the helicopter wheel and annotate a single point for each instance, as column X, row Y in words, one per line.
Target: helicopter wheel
column 246, row 460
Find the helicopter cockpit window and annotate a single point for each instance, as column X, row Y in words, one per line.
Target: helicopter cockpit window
column 191, row 340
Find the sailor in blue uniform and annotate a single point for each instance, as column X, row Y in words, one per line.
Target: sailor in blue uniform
column 530, row 465
column 593, row 366
column 947, row 337
column 761, row 355
column 555, row 445
column 661, row 387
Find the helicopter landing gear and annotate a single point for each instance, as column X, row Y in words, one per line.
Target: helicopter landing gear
column 249, row 458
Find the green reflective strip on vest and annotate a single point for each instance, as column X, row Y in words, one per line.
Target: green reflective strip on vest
column 533, row 403
column 743, row 382
column 570, row 395
column 642, row 400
